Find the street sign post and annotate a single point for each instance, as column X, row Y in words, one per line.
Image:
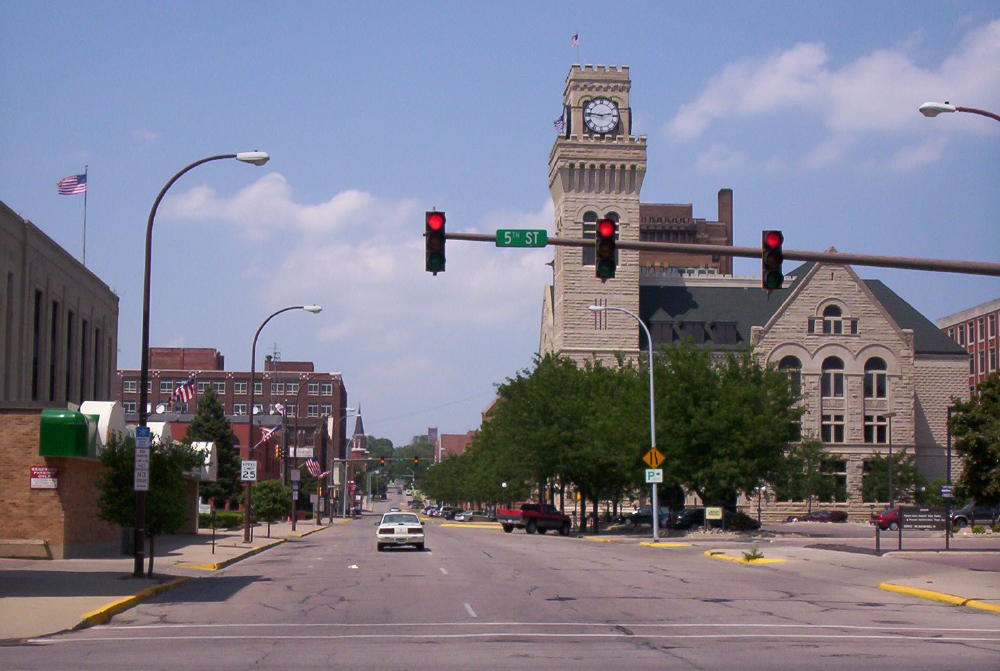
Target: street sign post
column 653, row 458
column 143, row 439
column 248, row 470
column 947, row 491
column 514, row 237
column 654, row 475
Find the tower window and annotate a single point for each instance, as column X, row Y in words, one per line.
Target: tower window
column 832, row 383
column 875, row 378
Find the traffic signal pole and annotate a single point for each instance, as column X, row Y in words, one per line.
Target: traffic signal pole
column 906, row 262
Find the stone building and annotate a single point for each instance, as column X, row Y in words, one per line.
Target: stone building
column 875, row 375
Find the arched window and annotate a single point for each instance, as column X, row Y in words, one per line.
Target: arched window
column 832, row 383
column 792, row 367
column 875, row 378
column 589, row 231
column 832, row 320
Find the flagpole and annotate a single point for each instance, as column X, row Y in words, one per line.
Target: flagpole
column 85, row 217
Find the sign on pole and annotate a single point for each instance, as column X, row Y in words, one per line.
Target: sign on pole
column 653, row 458
column 947, row 491
column 248, row 470
column 143, row 439
column 513, row 237
column 713, row 513
column 654, row 475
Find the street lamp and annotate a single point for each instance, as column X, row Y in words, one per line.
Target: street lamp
column 253, row 157
column 932, row 109
column 652, row 411
column 250, row 444
column 348, row 412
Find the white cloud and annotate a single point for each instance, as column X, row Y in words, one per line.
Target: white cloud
column 875, row 93
column 720, row 158
column 146, row 136
column 828, row 152
column 916, row 156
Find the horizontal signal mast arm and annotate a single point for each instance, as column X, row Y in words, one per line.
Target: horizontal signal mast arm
column 909, row 263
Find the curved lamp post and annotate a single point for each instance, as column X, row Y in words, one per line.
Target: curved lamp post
column 932, row 109
column 251, row 446
column 253, row 157
column 652, row 411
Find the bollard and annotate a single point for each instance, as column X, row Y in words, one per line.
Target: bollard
column 878, row 538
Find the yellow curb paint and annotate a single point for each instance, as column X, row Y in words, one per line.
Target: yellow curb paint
column 105, row 613
column 939, row 596
column 716, row 554
column 306, row 533
column 651, row 544
column 598, row 539
column 231, row 560
column 470, row 525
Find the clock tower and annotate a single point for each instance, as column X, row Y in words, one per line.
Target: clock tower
column 596, row 168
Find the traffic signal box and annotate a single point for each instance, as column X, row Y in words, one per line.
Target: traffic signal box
column 605, row 249
column 416, row 461
column 771, row 256
column 381, row 461
column 434, row 240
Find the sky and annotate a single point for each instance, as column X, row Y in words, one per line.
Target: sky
column 374, row 112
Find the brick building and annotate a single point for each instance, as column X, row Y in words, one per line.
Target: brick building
column 975, row 329
column 306, row 396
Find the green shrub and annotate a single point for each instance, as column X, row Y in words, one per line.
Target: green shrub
column 979, row 529
column 996, row 528
column 224, row 519
column 753, row 554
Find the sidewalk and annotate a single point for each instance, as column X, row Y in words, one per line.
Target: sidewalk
column 44, row 596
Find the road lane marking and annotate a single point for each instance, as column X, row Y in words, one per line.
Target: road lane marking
column 443, row 570
column 471, row 612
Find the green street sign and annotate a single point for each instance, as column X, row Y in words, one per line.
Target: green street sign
column 517, row 237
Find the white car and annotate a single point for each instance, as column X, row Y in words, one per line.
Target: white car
column 399, row 529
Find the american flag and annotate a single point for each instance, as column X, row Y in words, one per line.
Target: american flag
column 266, row 436
column 279, row 408
column 72, row 185
column 575, row 41
column 313, row 467
column 184, row 391
column 560, row 124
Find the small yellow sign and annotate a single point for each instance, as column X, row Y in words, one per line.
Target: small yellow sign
column 654, row 457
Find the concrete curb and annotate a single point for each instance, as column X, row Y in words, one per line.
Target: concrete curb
column 939, row 596
column 719, row 554
column 232, row 560
column 310, row 532
column 105, row 613
column 651, row 544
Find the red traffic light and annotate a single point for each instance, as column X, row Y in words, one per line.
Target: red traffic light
column 416, row 461
column 773, row 238
column 605, row 228
column 435, row 220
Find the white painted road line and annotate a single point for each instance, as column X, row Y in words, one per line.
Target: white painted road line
column 443, row 570
column 470, row 611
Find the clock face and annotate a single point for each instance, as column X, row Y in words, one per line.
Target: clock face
column 600, row 115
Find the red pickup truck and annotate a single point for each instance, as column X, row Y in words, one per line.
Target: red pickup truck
column 534, row 517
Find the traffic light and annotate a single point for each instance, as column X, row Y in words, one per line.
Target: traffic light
column 434, row 241
column 771, row 277
column 381, row 461
column 416, row 461
column 604, row 247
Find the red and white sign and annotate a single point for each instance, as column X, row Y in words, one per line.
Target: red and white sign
column 44, row 477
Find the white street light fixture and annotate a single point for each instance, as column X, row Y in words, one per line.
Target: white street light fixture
column 255, row 157
column 313, row 308
column 932, row 109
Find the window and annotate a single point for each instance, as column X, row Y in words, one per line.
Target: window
column 291, row 411
column 277, row 387
column 972, row 332
column 832, row 383
column 293, row 387
column 836, row 469
column 792, row 367
column 875, row 378
column 239, row 387
column 982, row 361
column 166, row 386
column 130, row 386
column 832, row 322
column 326, row 409
column 876, row 429
column 993, row 359
column 972, row 364
column 314, row 388
column 203, row 387
column 961, row 335
column 993, row 325
column 239, row 408
column 149, row 386
column 982, row 328
column 128, row 406
column 220, row 387
column 589, row 231
column 258, row 409
column 312, row 410
column 258, row 388
column 832, row 429
column 326, row 389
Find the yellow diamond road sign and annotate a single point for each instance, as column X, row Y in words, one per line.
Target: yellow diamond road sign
column 654, row 458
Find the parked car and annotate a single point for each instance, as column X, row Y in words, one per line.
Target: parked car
column 448, row 512
column 687, row 518
column 819, row 516
column 534, row 517
column 429, row 511
column 644, row 515
column 399, row 529
column 887, row 520
column 974, row 513
column 462, row 516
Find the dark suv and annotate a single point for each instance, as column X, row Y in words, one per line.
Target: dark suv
column 695, row 517
column 644, row 515
column 973, row 513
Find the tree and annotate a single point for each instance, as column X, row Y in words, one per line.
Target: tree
column 805, row 474
column 210, row 424
column 975, row 424
column 723, row 425
column 272, row 500
column 167, row 506
column 907, row 481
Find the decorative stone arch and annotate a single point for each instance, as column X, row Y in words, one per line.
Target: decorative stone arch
column 815, row 364
column 893, row 367
column 789, row 349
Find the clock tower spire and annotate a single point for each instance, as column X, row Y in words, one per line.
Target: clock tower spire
column 596, row 168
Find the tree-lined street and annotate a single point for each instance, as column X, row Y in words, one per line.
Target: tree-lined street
column 478, row 598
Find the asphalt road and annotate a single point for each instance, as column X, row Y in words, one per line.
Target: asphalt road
column 481, row 599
